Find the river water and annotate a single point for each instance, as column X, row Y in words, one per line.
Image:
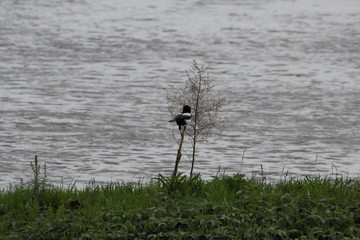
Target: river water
column 82, row 86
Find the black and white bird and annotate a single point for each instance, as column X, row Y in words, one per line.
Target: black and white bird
column 183, row 118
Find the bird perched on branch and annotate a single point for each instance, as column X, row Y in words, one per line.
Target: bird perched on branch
column 183, row 118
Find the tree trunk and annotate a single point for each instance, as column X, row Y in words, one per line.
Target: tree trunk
column 178, row 156
column 195, row 136
column 193, row 158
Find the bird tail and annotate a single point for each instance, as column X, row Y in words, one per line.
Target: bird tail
column 172, row 120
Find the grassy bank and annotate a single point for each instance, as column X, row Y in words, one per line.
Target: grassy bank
column 227, row 207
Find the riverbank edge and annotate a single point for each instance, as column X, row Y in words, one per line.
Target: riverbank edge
column 225, row 207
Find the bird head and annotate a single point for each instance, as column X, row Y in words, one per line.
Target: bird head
column 186, row 109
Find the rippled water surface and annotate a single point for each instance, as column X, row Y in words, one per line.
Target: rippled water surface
column 82, row 85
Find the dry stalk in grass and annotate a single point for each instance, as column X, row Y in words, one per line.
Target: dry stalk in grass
column 38, row 182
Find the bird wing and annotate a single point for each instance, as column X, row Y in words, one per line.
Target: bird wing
column 183, row 116
column 175, row 118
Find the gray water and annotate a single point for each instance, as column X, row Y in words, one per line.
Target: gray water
column 82, row 86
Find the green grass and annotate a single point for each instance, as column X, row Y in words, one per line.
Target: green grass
column 226, row 207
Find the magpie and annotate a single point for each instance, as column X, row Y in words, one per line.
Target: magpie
column 183, row 118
